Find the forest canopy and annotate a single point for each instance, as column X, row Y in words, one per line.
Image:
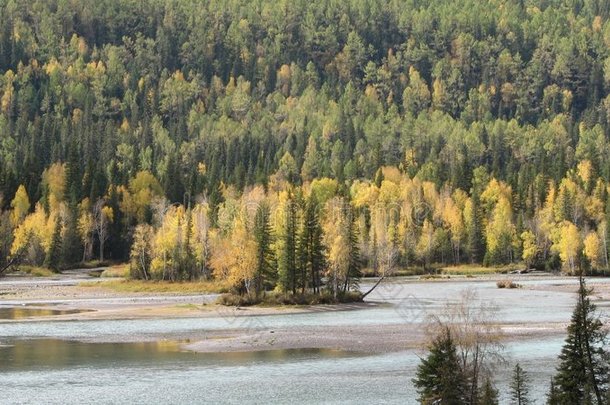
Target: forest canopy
column 449, row 131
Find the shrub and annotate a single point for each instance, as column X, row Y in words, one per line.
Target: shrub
column 277, row 299
column 507, row 284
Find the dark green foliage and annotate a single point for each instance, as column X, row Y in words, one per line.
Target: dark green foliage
column 489, row 394
column 6, row 240
column 311, row 248
column 71, row 246
column 378, row 177
column 288, row 265
column 519, row 386
column 354, row 271
column 53, row 257
column 189, row 270
column 582, row 375
column 553, row 397
column 440, row 379
column 265, row 269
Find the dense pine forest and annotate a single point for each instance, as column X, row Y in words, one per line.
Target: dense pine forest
column 290, row 142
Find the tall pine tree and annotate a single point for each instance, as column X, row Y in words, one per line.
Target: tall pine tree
column 264, row 254
column 53, row 256
column 354, row 272
column 311, row 248
column 582, row 375
column 287, row 266
column 519, row 386
column 440, row 379
column 489, row 394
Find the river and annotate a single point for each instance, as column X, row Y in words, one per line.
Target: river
column 134, row 361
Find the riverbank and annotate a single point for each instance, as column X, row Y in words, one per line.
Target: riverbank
column 391, row 319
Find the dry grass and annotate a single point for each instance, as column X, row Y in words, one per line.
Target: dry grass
column 276, row 299
column 120, row 270
column 36, row 271
column 507, row 284
column 141, row 286
column 467, row 269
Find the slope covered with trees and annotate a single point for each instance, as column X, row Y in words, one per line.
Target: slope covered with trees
column 439, row 132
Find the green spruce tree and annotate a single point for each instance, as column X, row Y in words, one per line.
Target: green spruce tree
column 264, row 253
column 53, row 256
column 519, row 386
column 553, row 397
column 378, row 177
column 311, row 248
column 288, row 269
column 489, row 394
column 440, row 379
column 354, row 271
column 582, row 375
column 188, row 258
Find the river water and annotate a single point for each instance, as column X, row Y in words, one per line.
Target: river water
column 58, row 362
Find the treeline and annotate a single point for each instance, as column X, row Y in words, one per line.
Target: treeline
column 453, row 374
column 295, row 236
column 105, row 105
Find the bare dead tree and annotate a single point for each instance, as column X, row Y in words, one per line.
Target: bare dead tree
column 477, row 334
column 387, row 257
column 102, row 216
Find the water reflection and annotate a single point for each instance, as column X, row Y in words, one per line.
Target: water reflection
column 29, row 312
column 19, row 355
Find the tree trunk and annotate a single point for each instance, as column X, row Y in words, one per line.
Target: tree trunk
column 372, row 288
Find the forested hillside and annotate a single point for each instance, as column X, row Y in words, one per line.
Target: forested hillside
column 446, row 131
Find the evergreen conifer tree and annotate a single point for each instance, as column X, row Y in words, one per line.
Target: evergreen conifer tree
column 188, row 259
column 264, row 253
column 311, row 247
column 519, row 386
column 489, row 394
column 439, row 378
column 582, row 375
column 355, row 263
column 53, row 256
column 288, row 268
column 378, row 177
column 553, row 397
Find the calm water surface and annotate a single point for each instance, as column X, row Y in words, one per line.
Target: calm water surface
column 24, row 312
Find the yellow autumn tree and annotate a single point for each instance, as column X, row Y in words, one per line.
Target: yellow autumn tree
column 568, row 243
column 242, row 273
column 138, row 196
column 103, row 216
column 233, row 257
column 323, row 189
column 593, row 250
column 20, row 205
column 168, row 241
column 530, row 248
column 34, row 234
column 454, row 222
column 426, row 243
column 200, row 237
column 337, row 242
column 141, row 252
column 54, row 184
column 500, row 235
column 86, row 228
